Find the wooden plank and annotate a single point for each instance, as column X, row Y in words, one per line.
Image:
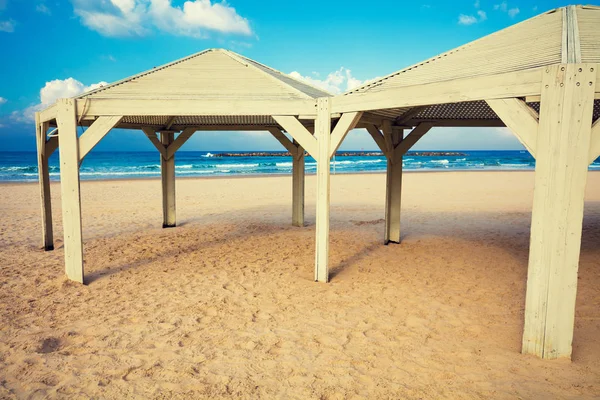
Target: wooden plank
column 521, row 119
column 151, row 134
column 285, row 142
column 563, row 146
column 49, row 113
column 44, row 179
column 292, row 126
column 322, row 132
column 379, row 139
column 412, row 138
column 386, row 129
column 595, row 142
column 536, row 99
column 194, row 106
column 51, row 146
column 512, row 84
column 393, row 189
column 69, row 187
column 180, row 141
column 167, row 172
column 92, row 136
column 464, row 123
column 298, row 172
column 346, row 123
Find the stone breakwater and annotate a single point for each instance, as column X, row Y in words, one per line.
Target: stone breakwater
column 346, row 154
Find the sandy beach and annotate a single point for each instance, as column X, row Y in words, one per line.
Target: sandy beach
column 224, row 305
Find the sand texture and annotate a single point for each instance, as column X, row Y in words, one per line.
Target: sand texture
column 224, row 305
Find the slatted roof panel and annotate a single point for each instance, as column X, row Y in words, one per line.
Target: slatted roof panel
column 538, row 41
column 210, row 74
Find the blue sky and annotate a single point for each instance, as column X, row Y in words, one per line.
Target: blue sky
column 57, row 48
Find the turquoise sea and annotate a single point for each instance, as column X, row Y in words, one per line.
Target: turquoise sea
column 22, row 166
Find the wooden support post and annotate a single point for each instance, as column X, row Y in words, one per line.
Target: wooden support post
column 44, row 179
column 167, row 169
column 323, row 135
column 393, row 189
column 70, row 192
column 297, row 153
column 562, row 151
column 298, row 186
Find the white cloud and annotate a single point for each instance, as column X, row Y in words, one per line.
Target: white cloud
column 42, row 8
column 466, row 19
column 513, row 12
column 52, row 91
column 482, row 15
column 2, row 100
column 502, row 6
column 196, row 18
column 336, row 82
column 7, row 26
column 477, row 4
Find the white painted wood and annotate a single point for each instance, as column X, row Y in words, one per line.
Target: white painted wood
column 411, row 139
column 323, row 134
column 379, row 139
column 299, row 133
column 285, row 142
column 167, row 171
column 51, row 146
column 521, row 119
column 512, row 84
column 180, row 141
column 49, row 113
column 151, row 134
column 70, row 192
column 174, row 105
column 595, row 142
column 393, row 192
column 298, row 171
column 346, row 123
column 44, row 179
column 92, row 136
column 563, row 145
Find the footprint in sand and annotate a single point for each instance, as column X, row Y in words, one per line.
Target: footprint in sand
column 49, row 345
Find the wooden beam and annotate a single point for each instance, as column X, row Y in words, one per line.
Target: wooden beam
column 95, row 133
column 151, row 134
column 292, row 126
column 298, row 172
column 537, row 98
column 561, row 170
column 393, row 192
column 379, row 139
column 167, row 171
column 346, row 123
column 51, row 145
column 322, row 132
column 170, row 123
column 285, row 142
column 595, row 142
column 193, row 106
column 412, row 138
column 512, row 84
column 407, row 116
column 49, row 113
column 521, row 119
column 180, row 141
column 69, row 187
column 44, row 179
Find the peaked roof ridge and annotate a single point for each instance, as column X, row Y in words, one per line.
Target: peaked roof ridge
column 147, row 72
column 449, row 52
column 275, row 74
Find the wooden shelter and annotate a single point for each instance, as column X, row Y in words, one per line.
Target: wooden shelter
column 538, row 78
